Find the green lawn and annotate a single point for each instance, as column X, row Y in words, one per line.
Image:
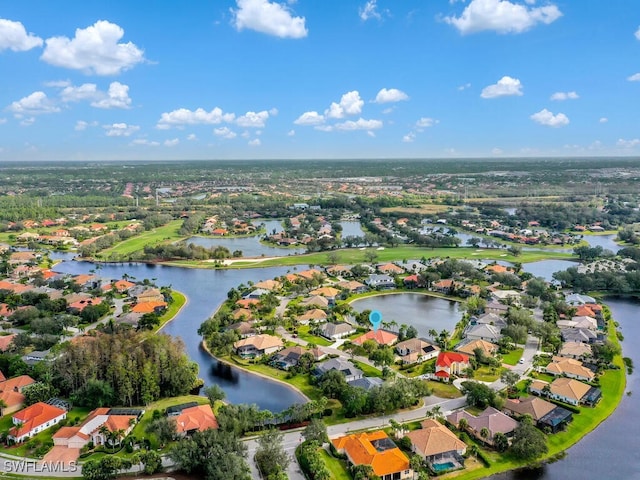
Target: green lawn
column 443, row 390
column 353, row 256
column 179, row 299
column 513, row 356
column 338, row 468
column 488, row 374
column 303, row 333
column 367, row 370
column 164, row 234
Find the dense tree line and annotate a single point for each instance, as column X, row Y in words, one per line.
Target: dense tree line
column 187, row 251
column 125, row 368
column 615, row 282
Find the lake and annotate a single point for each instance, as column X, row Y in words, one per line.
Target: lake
column 424, row 312
column 206, row 290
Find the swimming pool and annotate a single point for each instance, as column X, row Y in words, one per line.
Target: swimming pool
column 441, row 467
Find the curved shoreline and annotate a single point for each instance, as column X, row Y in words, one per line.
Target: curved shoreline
column 186, row 301
column 295, row 389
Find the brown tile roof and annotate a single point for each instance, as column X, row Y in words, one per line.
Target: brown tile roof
column 260, row 342
column 487, row 348
column 329, row 292
column 534, row 406
column 434, row 438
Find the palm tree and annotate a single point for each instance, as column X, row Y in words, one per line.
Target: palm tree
column 3, row 405
column 484, row 433
column 463, row 424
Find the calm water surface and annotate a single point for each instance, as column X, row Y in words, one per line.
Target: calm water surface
column 421, row 311
column 206, row 290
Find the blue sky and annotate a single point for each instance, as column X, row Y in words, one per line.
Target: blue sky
column 224, row 79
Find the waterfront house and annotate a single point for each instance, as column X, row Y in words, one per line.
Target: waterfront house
column 571, row 368
column 257, row 346
column 567, row 390
column 493, row 420
column 575, row 350
column 545, row 414
column 197, row 418
column 380, row 282
column 381, row 337
column 436, row 444
column 345, row 367
column 416, row 350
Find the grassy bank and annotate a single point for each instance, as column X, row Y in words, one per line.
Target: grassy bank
column 166, row 234
column 179, row 301
column 404, row 252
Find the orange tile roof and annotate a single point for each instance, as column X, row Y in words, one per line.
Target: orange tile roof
column 497, row 268
column 381, row 337
column 5, row 341
column 83, row 278
column 584, row 311
column 120, row 285
column 361, row 451
column 147, row 307
column 310, row 274
column 446, row 359
column 199, row 418
column 246, row 302
column 34, row 416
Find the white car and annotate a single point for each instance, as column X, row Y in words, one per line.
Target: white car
column 521, row 361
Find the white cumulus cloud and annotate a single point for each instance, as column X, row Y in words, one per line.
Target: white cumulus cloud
column 350, row 104
column 13, row 36
column 200, row 116
column 560, row 96
column 172, row 142
column 255, row 142
column 634, row 78
column 409, row 137
column 82, row 125
column 309, row 118
column 93, row 50
column 502, row 16
column 116, row 97
column 603, row 120
column 628, row 143
column 144, row 141
column 426, row 122
column 86, row 91
column 35, row 104
column 267, row 17
column 369, row 10
column 360, row 124
column 637, row 34
column 120, row 129
column 505, row 87
column 224, row 132
column 291, row 133
column 391, row 95
column 192, row 137
column 545, row 117
column 253, row 119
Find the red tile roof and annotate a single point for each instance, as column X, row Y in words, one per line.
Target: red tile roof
column 34, row 416
column 446, row 359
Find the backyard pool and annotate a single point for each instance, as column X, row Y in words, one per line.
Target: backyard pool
column 441, row 467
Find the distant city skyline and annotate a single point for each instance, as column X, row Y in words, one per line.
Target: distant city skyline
column 253, row 79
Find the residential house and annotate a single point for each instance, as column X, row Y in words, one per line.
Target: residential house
column 269, row 285
column 436, row 444
column 390, row 269
column 244, row 329
column 90, row 430
column 197, row 418
column 314, row 315
column 242, row 314
column 414, row 266
column 567, row 390
column 451, row 363
column 35, row 356
column 34, row 419
column 493, row 420
column 255, row 294
column 575, row 350
column 503, row 295
column 569, row 367
column 6, row 341
column 416, row 350
column 583, row 335
column 149, row 307
column 119, row 286
column 489, row 333
column 377, row 450
column 290, row 356
column 311, row 274
column 329, row 293
column 345, row 367
column 576, row 299
column 86, row 281
column 315, row 301
column 11, row 392
column 446, row 286
column 380, row 282
column 334, row 331
column 381, row 337
column 258, row 346
column 545, row 414
column 146, row 294
column 339, row 270
column 469, row 346
column 496, row 307
column 353, row 286
column 366, row 383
